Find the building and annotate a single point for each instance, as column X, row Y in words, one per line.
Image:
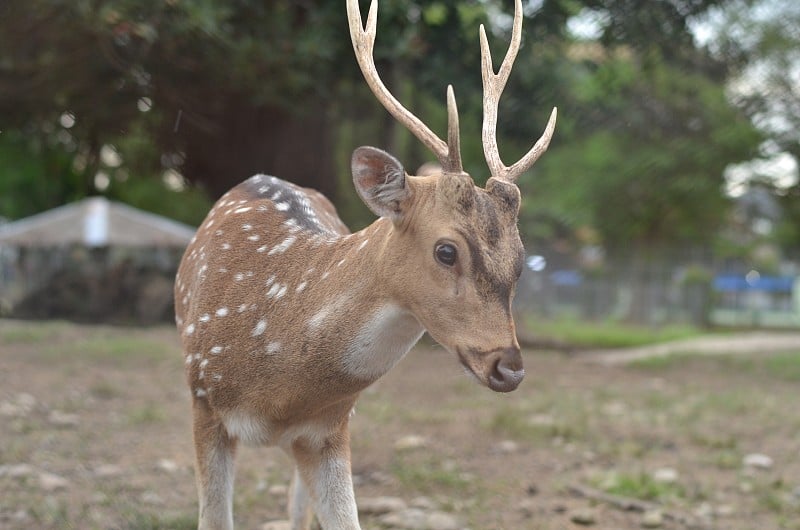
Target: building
column 92, row 260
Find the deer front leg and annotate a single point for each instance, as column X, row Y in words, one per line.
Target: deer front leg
column 324, row 469
column 214, row 469
column 299, row 504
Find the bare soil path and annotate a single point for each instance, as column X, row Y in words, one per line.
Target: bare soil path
column 95, row 434
column 735, row 343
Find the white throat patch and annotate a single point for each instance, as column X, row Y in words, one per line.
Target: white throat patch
column 382, row 341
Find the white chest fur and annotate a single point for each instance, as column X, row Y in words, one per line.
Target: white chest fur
column 382, row 341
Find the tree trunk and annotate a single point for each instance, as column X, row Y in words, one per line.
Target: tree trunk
column 245, row 141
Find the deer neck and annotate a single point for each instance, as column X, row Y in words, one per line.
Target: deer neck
column 375, row 327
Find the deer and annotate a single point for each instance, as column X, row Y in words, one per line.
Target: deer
column 285, row 316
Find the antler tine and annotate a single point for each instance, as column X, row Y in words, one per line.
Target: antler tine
column 493, row 86
column 363, row 39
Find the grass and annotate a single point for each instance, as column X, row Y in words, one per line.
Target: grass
column 783, row 366
column 429, row 475
column 31, row 333
column 606, row 334
column 146, row 414
column 137, row 520
column 110, row 347
column 640, row 486
column 566, row 419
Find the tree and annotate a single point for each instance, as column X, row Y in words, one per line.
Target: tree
column 644, row 141
column 762, row 40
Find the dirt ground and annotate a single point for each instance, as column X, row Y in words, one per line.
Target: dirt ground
column 95, row 433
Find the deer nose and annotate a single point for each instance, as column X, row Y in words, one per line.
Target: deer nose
column 507, row 371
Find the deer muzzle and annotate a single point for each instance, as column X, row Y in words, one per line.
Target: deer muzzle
column 506, row 371
column 501, row 370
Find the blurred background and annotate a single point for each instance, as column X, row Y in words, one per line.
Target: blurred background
column 669, row 195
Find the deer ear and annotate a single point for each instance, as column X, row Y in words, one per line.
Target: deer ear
column 380, row 181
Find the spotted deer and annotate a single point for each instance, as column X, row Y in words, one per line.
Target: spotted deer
column 285, row 316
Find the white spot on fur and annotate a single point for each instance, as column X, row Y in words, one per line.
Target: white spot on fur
column 262, row 248
column 254, row 237
column 189, row 329
column 261, row 326
column 282, row 246
column 216, row 350
column 239, row 276
column 226, row 246
column 222, row 311
column 199, row 392
column 341, row 263
column 282, row 206
column 362, row 245
column 270, row 280
column 273, row 348
column 241, row 308
column 301, row 287
column 204, row 318
column 277, row 290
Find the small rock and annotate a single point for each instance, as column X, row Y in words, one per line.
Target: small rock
column 652, row 519
column 506, row 447
column 380, row 505
column 20, row 516
column 167, row 465
column 528, row 507
column 63, row 419
column 51, row 481
column 278, row 490
column 9, row 409
column 410, row 442
column 423, row 503
column 441, row 521
column 22, row 405
column 704, row 510
column 276, row 525
column 665, row 475
column 107, row 470
column 541, row 420
column 615, row 408
column 757, row 460
column 151, row 497
column 408, row 519
column 16, row 470
column 583, row 517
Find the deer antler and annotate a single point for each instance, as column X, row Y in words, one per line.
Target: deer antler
column 449, row 154
column 493, row 85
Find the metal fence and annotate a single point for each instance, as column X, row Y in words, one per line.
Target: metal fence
column 706, row 292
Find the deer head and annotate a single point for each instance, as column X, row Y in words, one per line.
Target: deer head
column 459, row 242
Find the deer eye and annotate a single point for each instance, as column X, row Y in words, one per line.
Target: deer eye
column 445, row 254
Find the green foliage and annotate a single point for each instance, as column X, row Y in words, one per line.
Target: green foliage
column 35, row 175
column 648, row 170
column 211, row 89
